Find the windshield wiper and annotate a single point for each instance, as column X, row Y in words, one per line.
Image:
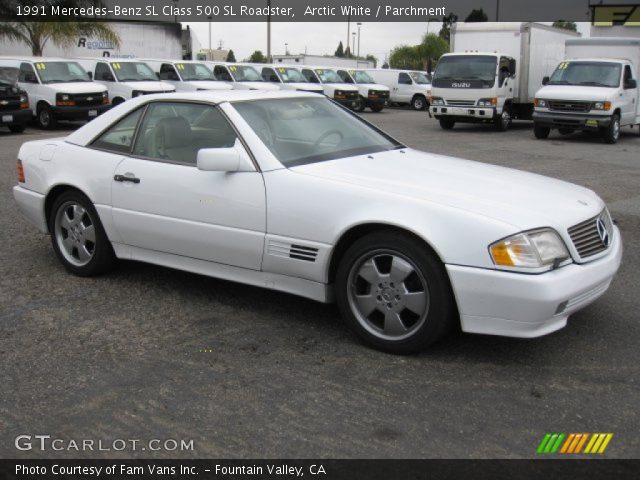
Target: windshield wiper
column 595, row 84
column 558, row 82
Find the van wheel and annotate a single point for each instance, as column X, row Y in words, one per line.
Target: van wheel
column 17, row 128
column 46, row 119
column 360, row 105
column 503, row 122
column 394, row 293
column 376, row 108
column 446, row 123
column 611, row 134
column 541, row 132
column 78, row 237
column 418, row 102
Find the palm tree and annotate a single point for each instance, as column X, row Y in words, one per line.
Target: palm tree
column 62, row 34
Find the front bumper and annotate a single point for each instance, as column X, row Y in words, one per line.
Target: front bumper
column 15, row 117
column 31, row 204
column 495, row 302
column 376, row 101
column 347, row 102
column 79, row 113
column 464, row 114
column 582, row 121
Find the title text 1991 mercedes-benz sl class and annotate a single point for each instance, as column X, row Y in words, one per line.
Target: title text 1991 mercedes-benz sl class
column 290, row 191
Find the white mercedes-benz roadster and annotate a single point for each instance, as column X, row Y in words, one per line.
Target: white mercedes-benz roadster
column 290, row 191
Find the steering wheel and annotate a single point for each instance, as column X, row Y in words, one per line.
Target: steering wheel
column 328, row 134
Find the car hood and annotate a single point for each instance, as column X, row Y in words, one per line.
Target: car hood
column 574, row 92
column 77, row 87
column 521, row 199
column 260, row 85
column 374, row 86
column 309, row 87
column 209, row 84
column 341, row 86
column 150, row 86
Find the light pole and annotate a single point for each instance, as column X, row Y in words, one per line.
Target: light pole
column 209, row 52
column 359, row 25
column 269, row 31
column 353, row 44
column 286, row 50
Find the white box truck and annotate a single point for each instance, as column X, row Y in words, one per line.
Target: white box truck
column 594, row 89
column 494, row 71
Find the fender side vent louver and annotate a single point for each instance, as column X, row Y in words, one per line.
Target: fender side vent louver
column 301, row 252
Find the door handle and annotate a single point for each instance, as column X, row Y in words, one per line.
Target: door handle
column 126, row 178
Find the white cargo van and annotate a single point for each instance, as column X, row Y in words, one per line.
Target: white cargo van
column 332, row 85
column 494, row 71
column 287, row 78
column 186, row 75
column 372, row 95
column 124, row 78
column 240, row 76
column 405, row 86
column 60, row 89
column 595, row 88
column 14, row 101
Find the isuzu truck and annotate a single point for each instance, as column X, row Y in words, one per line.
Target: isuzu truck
column 594, row 89
column 494, row 71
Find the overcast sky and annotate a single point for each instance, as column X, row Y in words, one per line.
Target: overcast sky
column 376, row 38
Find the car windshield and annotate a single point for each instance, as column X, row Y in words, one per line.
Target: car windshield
column 420, row 78
column 299, row 131
column 290, row 75
column 328, row 76
column 9, row 75
column 244, row 73
column 194, row 71
column 61, row 72
column 361, row 77
column 481, row 68
column 596, row 74
column 133, row 71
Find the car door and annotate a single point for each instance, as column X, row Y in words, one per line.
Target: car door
column 162, row 202
column 403, row 92
column 28, row 81
column 628, row 97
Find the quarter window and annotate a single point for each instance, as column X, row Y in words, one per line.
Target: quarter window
column 168, row 72
column 103, row 72
column 404, row 79
column 120, row 136
column 221, row 73
column 175, row 131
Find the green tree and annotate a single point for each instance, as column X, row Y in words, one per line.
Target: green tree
column 431, row 49
column 566, row 25
column 347, row 52
column 372, row 58
column 447, row 23
column 406, row 56
column 477, row 15
column 231, row 57
column 257, row 57
column 36, row 35
column 340, row 50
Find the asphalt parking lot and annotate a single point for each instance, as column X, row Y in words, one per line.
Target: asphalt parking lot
column 150, row 353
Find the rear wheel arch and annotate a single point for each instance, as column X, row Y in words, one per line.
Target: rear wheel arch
column 54, row 193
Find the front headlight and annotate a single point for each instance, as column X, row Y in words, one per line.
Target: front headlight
column 533, row 251
column 540, row 103
column 64, row 97
column 436, row 101
column 601, row 106
column 488, row 102
column 23, row 99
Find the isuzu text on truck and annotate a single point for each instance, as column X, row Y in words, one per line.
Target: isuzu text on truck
column 595, row 89
column 494, row 71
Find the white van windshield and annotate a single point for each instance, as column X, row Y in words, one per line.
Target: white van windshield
column 361, row 77
column 479, row 71
column 593, row 74
column 61, row 72
column 290, row 75
column 194, row 71
column 328, row 76
column 244, row 73
column 420, row 78
column 133, row 71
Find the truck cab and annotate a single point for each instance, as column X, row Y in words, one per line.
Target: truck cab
column 288, row 78
column 372, row 95
column 125, row 78
column 60, row 89
column 332, row 85
column 14, row 101
column 187, row 75
column 241, row 77
column 474, row 87
column 592, row 93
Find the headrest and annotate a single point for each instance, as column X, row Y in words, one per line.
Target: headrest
column 175, row 130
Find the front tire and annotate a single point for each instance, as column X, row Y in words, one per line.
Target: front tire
column 503, row 122
column 360, row 105
column 377, row 108
column 78, row 237
column 446, row 123
column 17, row 128
column 418, row 102
column 394, row 293
column 611, row 134
column 45, row 117
column 541, row 132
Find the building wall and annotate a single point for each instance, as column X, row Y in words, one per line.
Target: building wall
column 155, row 40
column 615, row 31
column 323, row 61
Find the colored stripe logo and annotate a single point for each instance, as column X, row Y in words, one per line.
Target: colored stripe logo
column 574, row 443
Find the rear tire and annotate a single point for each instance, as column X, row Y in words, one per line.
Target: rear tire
column 17, row 128
column 419, row 102
column 46, row 119
column 446, row 123
column 394, row 293
column 611, row 134
column 78, row 237
column 377, row 108
column 541, row 132
column 360, row 105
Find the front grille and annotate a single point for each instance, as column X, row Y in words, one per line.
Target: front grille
column 592, row 236
column 10, row 103
column 87, row 99
column 351, row 95
column 379, row 94
column 461, row 103
column 569, row 106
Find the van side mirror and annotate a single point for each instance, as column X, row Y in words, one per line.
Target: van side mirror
column 631, row 83
column 90, row 75
column 545, row 80
column 233, row 159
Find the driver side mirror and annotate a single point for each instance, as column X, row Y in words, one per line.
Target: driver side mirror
column 233, row 159
column 631, row 83
column 545, row 80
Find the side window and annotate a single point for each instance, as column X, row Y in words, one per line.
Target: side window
column 628, row 76
column 174, row 131
column 103, row 72
column 221, row 73
column 269, row 75
column 309, row 76
column 27, row 74
column 168, row 72
column 504, row 71
column 344, row 76
column 120, row 136
column 404, row 79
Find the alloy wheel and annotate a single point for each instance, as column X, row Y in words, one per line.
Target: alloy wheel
column 75, row 233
